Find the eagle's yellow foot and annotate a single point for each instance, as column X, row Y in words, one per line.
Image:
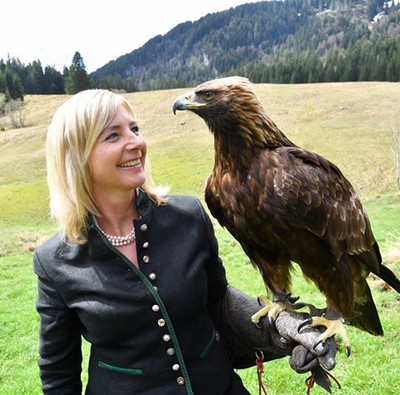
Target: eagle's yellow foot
column 273, row 309
column 333, row 327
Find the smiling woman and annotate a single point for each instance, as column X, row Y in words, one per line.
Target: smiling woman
column 138, row 274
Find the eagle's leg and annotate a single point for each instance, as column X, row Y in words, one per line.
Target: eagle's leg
column 334, row 324
column 282, row 302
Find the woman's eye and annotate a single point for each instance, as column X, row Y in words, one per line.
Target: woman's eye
column 111, row 136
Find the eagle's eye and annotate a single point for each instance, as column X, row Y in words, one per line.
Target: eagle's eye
column 208, row 95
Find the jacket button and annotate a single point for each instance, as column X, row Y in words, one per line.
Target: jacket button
column 146, row 259
column 171, row 351
column 155, row 308
column 166, row 337
column 143, row 228
column 161, row 322
column 152, row 276
column 146, row 244
column 180, row 380
column 175, row 367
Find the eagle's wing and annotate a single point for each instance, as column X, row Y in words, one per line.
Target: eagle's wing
column 311, row 193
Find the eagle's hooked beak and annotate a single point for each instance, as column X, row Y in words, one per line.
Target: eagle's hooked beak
column 184, row 102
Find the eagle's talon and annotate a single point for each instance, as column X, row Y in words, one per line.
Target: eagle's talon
column 271, row 321
column 317, row 343
column 316, row 311
column 291, row 299
column 257, row 325
column 306, row 322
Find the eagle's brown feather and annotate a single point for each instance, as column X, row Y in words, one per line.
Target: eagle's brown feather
column 285, row 204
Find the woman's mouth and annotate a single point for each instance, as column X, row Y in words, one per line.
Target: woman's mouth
column 130, row 163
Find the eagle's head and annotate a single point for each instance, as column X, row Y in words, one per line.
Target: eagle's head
column 232, row 111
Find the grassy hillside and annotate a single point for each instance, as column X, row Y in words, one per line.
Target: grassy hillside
column 348, row 123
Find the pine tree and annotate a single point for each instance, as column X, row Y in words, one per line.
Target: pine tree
column 34, row 78
column 77, row 79
column 53, row 81
column 15, row 89
column 3, row 85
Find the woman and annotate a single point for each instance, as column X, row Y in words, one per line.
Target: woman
column 137, row 274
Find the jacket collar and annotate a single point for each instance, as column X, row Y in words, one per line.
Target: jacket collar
column 143, row 203
column 143, row 206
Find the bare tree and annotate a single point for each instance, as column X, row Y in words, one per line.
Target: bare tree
column 15, row 110
column 2, row 103
column 396, row 148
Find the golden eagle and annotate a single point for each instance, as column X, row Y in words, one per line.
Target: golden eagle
column 286, row 204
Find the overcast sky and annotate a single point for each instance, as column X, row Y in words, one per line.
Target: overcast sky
column 52, row 30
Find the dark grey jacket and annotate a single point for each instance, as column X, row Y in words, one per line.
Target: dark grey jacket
column 150, row 328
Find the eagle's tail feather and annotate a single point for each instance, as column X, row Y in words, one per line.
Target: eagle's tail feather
column 366, row 315
column 389, row 277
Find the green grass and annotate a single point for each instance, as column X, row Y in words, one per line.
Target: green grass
column 348, row 123
column 384, row 213
column 19, row 323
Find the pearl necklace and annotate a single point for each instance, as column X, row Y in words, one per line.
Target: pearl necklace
column 118, row 241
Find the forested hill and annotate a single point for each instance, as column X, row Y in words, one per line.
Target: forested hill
column 290, row 41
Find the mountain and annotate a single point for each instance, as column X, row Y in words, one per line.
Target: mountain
column 269, row 41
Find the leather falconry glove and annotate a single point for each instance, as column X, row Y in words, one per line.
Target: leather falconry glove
column 273, row 340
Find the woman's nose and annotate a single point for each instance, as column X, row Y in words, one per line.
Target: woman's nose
column 134, row 141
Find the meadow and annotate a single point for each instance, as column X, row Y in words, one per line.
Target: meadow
column 349, row 123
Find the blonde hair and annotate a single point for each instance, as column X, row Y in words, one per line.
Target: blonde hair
column 71, row 135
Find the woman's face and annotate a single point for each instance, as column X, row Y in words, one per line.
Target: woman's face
column 118, row 156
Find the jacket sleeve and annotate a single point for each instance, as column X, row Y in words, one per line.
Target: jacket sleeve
column 242, row 339
column 60, row 339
